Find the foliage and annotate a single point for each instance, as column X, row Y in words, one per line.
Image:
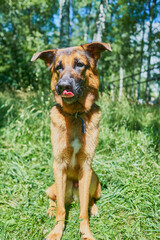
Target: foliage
column 25, row 28
column 127, row 157
column 30, row 26
column 126, row 161
column 64, row 23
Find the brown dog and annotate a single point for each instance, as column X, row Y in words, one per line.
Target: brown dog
column 74, row 130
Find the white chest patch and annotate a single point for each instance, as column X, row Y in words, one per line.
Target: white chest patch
column 76, row 146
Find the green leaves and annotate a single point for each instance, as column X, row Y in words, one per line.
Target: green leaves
column 22, row 33
column 31, row 26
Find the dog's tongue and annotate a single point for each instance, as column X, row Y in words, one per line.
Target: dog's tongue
column 67, row 93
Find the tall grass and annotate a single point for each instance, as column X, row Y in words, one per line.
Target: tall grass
column 126, row 161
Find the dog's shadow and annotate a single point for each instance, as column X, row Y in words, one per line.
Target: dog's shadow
column 76, row 205
column 68, row 208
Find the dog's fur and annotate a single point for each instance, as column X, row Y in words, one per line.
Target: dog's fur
column 74, row 130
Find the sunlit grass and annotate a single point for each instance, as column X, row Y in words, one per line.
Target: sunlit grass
column 126, row 161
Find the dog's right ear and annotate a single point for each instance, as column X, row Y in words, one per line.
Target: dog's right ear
column 47, row 56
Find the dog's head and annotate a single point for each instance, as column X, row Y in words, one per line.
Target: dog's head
column 74, row 79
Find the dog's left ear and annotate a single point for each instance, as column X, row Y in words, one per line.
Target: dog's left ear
column 47, row 56
column 95, row 48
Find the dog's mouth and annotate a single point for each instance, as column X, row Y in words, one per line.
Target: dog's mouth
column 67, row 93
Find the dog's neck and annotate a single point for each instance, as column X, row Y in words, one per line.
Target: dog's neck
column 82, row 105
column 78, row 115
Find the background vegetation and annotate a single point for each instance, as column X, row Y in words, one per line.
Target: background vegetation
column 126, row 161
column 128, row 154
column 132, row 28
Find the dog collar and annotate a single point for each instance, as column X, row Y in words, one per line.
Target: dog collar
column 77, row 115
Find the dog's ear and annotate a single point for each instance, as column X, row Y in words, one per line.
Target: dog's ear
column 47, row 56
column 95, row 48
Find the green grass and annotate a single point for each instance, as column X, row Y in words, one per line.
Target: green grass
column 126, row 161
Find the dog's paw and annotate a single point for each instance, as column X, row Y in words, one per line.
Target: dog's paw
column 57, row 232
column 87, row 237
column 54, row 236
column 86, row 234
column 52, row 209
column 85, row 231
column 94, row 210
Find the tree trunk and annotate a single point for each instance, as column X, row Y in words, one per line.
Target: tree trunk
column 141, row 61
column 65, row 23
column 151, row 6
column 121, row 83
column 112, row 88
column 111, row 21
column 133, row 68
column 112, row 92
column 88, row 12
column 100, row 23
column 100, row 27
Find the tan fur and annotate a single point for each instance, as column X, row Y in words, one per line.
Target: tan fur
column 74, row 164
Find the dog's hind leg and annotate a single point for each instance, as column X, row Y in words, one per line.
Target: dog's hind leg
column 93, row 208
column 95, row 193
column 51, row 193
column 95, row 187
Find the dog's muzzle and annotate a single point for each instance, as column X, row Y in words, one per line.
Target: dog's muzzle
column 69, row 89
column 64, row 87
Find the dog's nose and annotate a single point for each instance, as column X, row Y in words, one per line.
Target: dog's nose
column 63, row 85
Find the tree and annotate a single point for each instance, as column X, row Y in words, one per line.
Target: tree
column 22, row 33
column 30, row 26
column 141, row 56
column 100, row 23
column 151, row 8
column 65, row 23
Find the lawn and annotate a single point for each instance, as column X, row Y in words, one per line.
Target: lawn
column 126, row 160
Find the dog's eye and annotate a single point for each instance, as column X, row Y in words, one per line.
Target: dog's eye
column 79, row 64
column 59, row 67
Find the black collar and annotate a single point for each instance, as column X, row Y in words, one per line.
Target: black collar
column 76, row 115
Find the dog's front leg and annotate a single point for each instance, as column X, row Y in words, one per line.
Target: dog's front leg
column 84, row 184
column 60, row 181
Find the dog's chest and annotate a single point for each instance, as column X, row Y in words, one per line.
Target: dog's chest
column 76, row 147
